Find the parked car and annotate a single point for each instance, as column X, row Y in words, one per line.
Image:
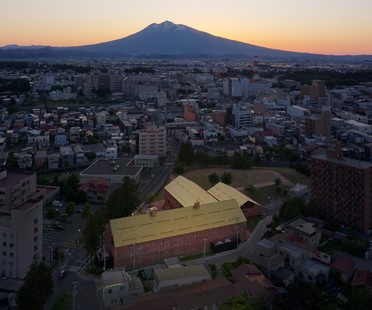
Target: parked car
column 62, row 273
column 56, row 203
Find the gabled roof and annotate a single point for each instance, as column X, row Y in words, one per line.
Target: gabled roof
column 148, row 227
column 187, row 192
column 344, row 265
column 166, row 274
column 222, row 191
column 362, row 277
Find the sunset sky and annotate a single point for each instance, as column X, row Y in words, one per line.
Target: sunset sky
column 316, row 26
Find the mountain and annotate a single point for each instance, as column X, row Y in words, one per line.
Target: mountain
column 167, row 40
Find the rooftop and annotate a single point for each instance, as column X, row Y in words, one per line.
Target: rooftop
column 187, row 192
column 292, row 249
column 146, row 227
column 313, row 267
column 114, row 277
column 222, row 191
column 265, row 243
column 302, row 225
column 344, row 161
column 13, row 178
column 166, row 274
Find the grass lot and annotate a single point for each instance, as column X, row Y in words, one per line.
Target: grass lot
column 290, row 174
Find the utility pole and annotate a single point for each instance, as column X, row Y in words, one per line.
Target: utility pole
column 133, row 254
column 205, row 239
column 50, row 256
column 74, row 293
column 104, row 257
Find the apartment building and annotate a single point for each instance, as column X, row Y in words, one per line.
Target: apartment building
column 152, row 141
column 21, row 219
column 342, row 188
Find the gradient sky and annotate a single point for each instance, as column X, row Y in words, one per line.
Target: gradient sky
column 316, row 26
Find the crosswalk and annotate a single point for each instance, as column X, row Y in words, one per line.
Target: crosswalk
column 76, row 267
column 274, row 205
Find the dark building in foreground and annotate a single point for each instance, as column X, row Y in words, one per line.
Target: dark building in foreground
column 342, row 188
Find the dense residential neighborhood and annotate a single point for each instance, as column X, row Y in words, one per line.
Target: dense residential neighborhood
column 124, row 175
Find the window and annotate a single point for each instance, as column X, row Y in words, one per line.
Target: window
column 5, row 244
column 4, row 235
column 36, row 220
column 11, row 236
column 109, row 290
column 36, row 230
column 4, row 253
column 11, row 254
column 36, row 238
column 35, row 248
column 11, row 245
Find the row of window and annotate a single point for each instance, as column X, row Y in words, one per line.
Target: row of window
column 5, row 244
column 5, row 235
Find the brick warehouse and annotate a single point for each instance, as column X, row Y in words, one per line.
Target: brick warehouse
column 149, row 238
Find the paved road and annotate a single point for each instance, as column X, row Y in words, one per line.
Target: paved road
column 243, row 249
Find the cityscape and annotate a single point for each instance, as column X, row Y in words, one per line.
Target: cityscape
column 179, row 168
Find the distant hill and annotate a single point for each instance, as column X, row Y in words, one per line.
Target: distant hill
column 165, row 39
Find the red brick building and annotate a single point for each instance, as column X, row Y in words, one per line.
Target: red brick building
column 149, row 238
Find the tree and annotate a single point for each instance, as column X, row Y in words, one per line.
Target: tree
column 277, row 182
column 73, row 181
column 250, row 189
column 204, row 159
column 242, row 302
column 186, row 154
column 91, row 234
column 221, row 159
column 55, row 181
column 52, row 213
column 37, row 286
column 240, row 161
column 86, row 210
column 62, row 302
column 124, row 200
column 213, row 178
column 70, row 208
column 42, row 180
column 226, row 177
column 179, row 169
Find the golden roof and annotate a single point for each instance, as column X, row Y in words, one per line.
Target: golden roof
column 222, row 191
column 187, row 192
column 170, row 223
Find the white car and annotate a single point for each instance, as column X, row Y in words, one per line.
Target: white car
column 56, row 203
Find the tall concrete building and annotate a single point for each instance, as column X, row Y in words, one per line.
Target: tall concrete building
column 242, row 115
column 21, row 220
column 315, row 91
column 342, row 188
column 319, row 125
column 152, row 141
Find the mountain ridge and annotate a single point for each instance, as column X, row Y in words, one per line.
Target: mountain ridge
column 164, row 39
